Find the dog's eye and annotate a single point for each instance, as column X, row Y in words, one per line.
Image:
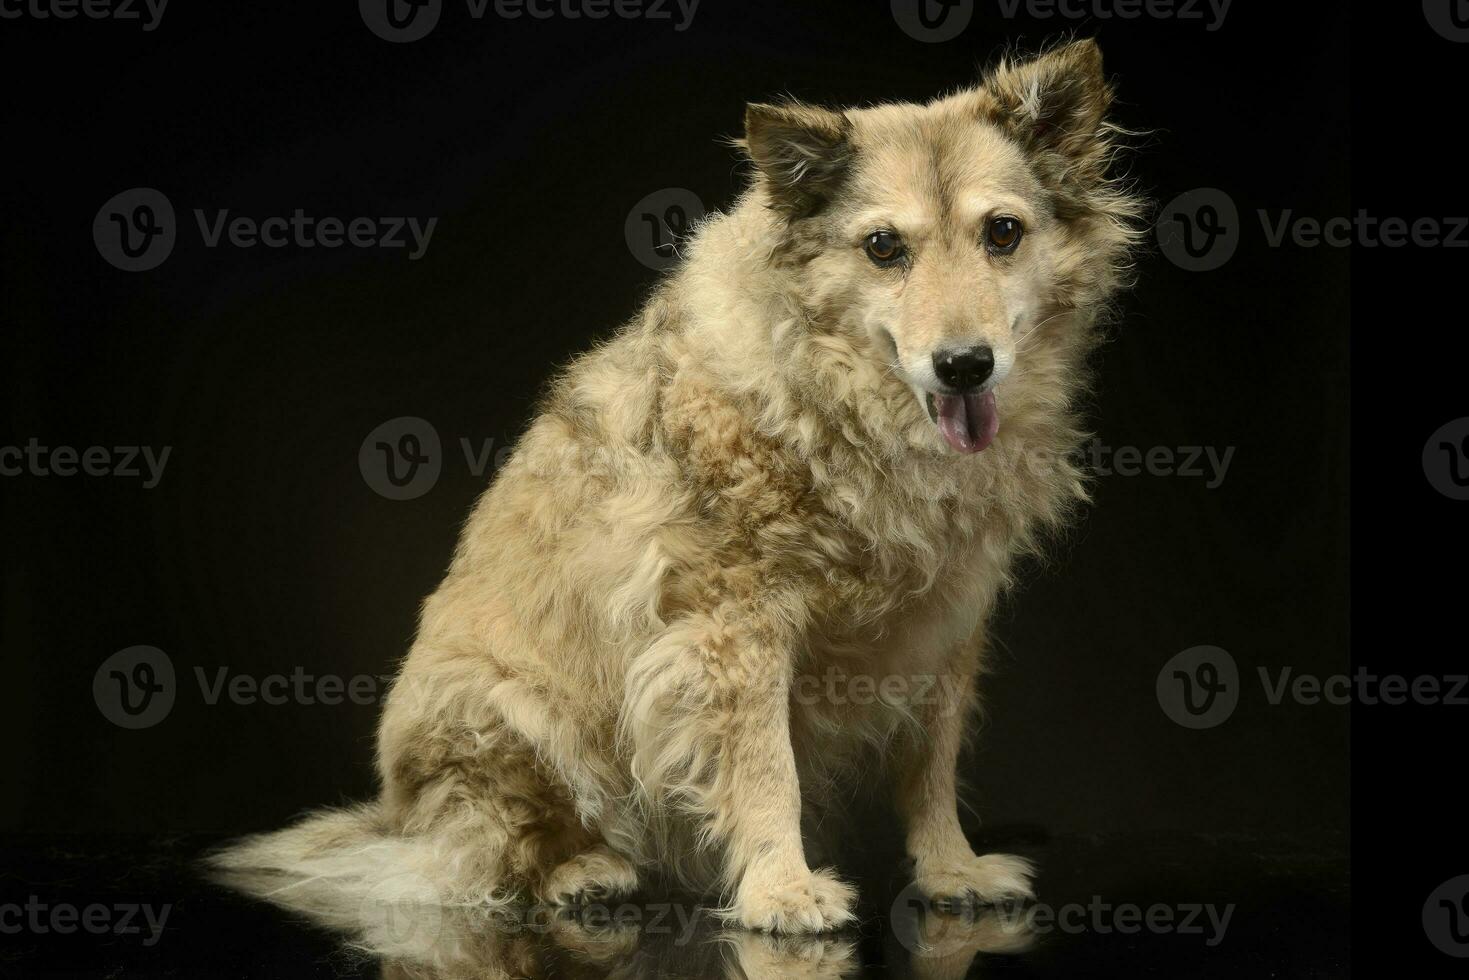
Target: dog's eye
column 1003, row 234
column 884, row 247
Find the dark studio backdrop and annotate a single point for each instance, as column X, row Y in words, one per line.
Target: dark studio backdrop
column 269, row 547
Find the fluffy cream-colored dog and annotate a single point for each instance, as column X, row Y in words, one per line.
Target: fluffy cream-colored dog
column 753, row 540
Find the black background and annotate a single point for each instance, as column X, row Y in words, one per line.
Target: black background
column 264, row 551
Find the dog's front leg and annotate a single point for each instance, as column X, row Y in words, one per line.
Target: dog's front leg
column 776, row 889
column 946, row 869
column 721, row 741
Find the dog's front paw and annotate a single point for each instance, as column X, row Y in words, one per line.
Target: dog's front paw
column 976, row 880
column 807, row 901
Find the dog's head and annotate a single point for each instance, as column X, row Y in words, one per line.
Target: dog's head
column 944, row 234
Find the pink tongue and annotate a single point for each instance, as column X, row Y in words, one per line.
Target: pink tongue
column 968, row 423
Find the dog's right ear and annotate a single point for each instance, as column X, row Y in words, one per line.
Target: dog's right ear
column 802, row 151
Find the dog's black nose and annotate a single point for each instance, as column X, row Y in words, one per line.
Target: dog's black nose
column 965, row 368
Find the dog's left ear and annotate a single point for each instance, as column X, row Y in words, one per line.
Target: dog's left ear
column 802, row 151
column 1054, row 103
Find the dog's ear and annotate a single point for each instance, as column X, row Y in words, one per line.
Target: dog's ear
column 1054, row 103
column 802, row 151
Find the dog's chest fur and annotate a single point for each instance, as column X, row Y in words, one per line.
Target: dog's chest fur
column 890, row 560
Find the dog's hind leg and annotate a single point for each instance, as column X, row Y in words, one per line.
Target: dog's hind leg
column 593, row 875
column 496, row 818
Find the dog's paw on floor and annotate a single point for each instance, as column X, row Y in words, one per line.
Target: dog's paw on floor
column 809, row 901
column 593, row 876
column 978, row 880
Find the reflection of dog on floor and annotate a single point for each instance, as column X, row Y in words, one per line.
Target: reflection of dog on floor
column 415, row 937
column 749, row 546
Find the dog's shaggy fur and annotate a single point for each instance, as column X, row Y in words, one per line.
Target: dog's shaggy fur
column 744, row 491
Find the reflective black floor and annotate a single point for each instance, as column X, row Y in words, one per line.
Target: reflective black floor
column 1114, row 906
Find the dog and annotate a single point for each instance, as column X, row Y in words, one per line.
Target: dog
column 806, row 468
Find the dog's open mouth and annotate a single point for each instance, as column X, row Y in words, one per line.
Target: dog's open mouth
column 968, row 423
